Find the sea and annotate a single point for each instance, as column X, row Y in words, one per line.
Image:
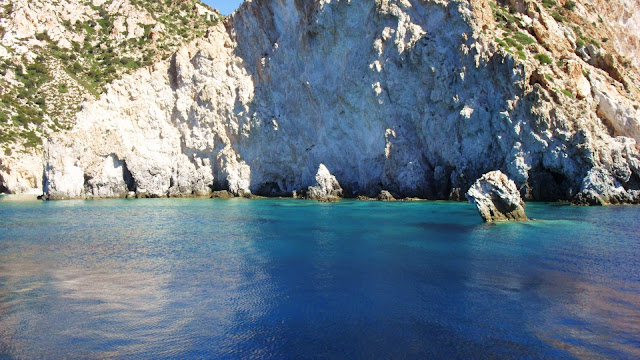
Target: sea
column 295, row 279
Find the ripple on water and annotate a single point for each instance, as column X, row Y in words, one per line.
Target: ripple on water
column 165, row 278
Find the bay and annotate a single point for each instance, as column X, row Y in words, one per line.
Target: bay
column 291, row 279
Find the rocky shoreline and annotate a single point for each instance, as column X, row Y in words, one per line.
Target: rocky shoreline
column 395, row 99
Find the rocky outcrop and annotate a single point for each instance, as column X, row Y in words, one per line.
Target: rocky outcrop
column 414, row 97
column 221, row 194
column 327, row 188
column 385, row 196
column 54, row 54
column 599, row 187
column 497, row 198
column 21, row 175
column 622, row 20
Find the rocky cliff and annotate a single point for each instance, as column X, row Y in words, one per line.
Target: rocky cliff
column 419, row 98
column 56, row 54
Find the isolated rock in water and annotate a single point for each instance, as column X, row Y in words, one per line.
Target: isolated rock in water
column 385, row 196
column 327, row 189
column 497, row 198
column 600, row 188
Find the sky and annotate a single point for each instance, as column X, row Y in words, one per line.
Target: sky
column 225, row 7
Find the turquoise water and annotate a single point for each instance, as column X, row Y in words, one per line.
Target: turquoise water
column 290, row 279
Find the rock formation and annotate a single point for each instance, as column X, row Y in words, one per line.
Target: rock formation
column 497, row 198
column 327, row 188
column 221, row 194
column 419, row 98
column 599, row 187
column 23, row 175
column 385, row 196
column 55, row 54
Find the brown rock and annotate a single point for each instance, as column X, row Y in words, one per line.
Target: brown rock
column 385, row 196
column 222, row 194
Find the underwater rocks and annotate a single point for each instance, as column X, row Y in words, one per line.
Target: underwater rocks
column 497, row 198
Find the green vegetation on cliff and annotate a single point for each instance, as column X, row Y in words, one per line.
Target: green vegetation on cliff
column 48, row 69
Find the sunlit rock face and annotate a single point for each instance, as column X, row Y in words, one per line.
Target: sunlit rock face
column 23, row 176
column 327, row 187
column 56, row 54
column 497, row 198
column 413, row 97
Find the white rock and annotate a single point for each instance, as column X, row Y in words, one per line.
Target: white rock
column 497, row 198
column 600, row 188
column 21, row 175
column 327, row 187
column 616, row 110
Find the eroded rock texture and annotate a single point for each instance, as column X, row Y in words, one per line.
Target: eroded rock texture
column 56, row 54
column 327, row 187
column 413, row 97
column 497, row 198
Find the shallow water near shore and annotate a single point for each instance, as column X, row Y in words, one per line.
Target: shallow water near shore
column 291, row 279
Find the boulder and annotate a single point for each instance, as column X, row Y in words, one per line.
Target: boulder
column 245, row 193
column 328, row 188
column 385, row 196
column 497, row 198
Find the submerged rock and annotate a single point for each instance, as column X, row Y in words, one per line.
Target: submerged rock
column 328, row 188
column 497, row 198
column 364, row 198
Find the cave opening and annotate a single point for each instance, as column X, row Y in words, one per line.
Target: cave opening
column 128, row 177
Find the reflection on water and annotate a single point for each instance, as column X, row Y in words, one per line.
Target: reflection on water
column 292, row 279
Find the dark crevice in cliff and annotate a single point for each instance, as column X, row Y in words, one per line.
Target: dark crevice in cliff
column 548, row 185
column 87, row 178
column 128, row 178
column 220, row 184
column 173, row 73
column 271, row 189
column 633, row 183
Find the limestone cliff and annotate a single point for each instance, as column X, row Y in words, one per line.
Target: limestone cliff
column 55, row 54
column 419, row 98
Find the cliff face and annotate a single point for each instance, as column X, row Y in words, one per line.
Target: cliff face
column 416, row 97
column 56, row 54
column 621, row 19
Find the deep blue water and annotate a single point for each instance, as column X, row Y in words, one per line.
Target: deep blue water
column 291, row 279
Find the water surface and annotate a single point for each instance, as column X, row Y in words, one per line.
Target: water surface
column 288, row 279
